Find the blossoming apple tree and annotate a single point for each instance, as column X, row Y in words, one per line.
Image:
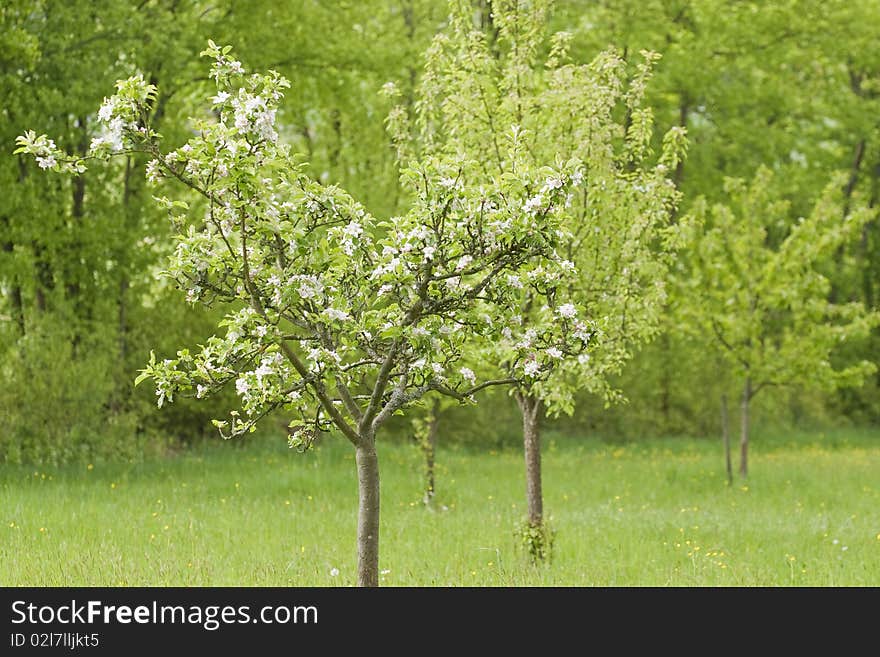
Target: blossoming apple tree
column 334, row 315
column 486, row 95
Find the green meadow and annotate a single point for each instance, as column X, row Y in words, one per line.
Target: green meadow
column 653, row 513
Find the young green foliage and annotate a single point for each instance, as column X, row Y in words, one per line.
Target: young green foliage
column 761, row 295
column 490, row 96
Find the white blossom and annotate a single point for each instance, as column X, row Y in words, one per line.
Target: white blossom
column 531, row 368
column 315, row 358
column 527, row 339
column 335, row 313
column 154, row 173
column 582, row 331
column 551, row 184
column 567, row 310
column 534, row 204
column 309, row 287
column 468, row 375
column 261, row 372
column 106, row 111
column 463, row 262
column 353, row 229
column 554, row 352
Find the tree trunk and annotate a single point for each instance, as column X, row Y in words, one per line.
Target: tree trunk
column 665, row 380
column 744, row 428
column 725, row 438
column 429, row 445
column 15, row 301
column 44, row 279
column 531, row 407
column 368, row 512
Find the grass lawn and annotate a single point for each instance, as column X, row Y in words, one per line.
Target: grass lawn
column 656, row 513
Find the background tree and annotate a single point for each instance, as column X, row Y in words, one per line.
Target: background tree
column 75, row 265
column 758, row 291
column 792, row 86
column 489, row 94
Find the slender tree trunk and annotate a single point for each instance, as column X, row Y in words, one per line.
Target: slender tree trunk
column 725, row 438
column 429, row 446
column 665, row 380
column 531, row 407
column 44, row 280
column 73, row 275
column 122, row 327
column 368, row 512
column 130, row 189
column 683, row 113
column 336, row 147
column 744, row 428
column 869, row 272
column 15, row 300
column 855, row 170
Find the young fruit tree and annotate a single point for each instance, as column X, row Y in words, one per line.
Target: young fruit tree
column 333, row 315
column 757, row 291
column 487, row 95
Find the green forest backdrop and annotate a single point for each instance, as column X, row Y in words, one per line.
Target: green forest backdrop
column 783, row 95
